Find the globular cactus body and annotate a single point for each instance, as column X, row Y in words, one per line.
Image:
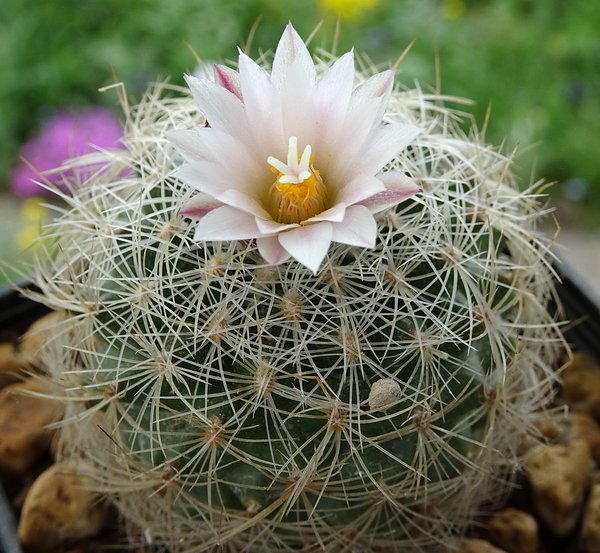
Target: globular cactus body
column 226, row 403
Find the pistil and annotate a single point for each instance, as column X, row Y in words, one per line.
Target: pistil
column 299, row 192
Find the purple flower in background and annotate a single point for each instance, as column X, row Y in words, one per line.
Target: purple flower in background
column 65, row 136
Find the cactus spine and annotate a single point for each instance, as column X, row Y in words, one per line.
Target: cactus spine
column 225, row 404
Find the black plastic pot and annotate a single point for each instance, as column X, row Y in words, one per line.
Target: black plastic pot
column 9, row 540
column 16, row 312
column 579, row 306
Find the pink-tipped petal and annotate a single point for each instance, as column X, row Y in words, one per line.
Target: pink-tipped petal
column 224, row 111
column 229, row 79
column 291, row 47
column 308, row 244
column 379, row 85
column 271, row 250
column 376, row 91
column 226, row 223
column 199, row 206
column 398, row 187
column 357, row 229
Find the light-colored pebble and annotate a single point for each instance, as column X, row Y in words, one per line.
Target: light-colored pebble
column 590, row 528
column 581, row 425
column 558, row 476
column 581, row 385
column 514, row 530
column 384, row 393
column 33, row 340
column 59, row 509
column 24, row 436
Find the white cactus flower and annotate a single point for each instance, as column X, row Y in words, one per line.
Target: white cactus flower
column 245, row 162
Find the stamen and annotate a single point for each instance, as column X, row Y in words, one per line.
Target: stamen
column 299, row 192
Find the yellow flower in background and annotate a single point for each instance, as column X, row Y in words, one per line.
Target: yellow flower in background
column 349, row 9
column 453, row 9
column 33, row 212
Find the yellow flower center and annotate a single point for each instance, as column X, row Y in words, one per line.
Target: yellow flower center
column 299, row 192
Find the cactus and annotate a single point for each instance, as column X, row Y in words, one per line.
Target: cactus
column 224, row 402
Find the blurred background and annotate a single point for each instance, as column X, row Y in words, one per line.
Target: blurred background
column 536, row 63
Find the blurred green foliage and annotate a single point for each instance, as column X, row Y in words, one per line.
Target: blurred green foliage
column 537, row 62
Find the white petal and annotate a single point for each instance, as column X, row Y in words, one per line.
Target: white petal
column 350, row 141
column 224, row 111
column 229, row 79
column 298, row 108
column 199, row 206
column 360, row 188
column 190, row 144
column 226, row 223
column 205, row 176
column 332, row 97
column 272, row 251
column 386, row 144
column 398, row 187
column 308, row 244
column 333, row 214
column 243, row 202
column 267, row 226
column 263, row 110
column 367, row 106
column 291, row 47
column 362, row 113
column 208, row 144
column 357, row 229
